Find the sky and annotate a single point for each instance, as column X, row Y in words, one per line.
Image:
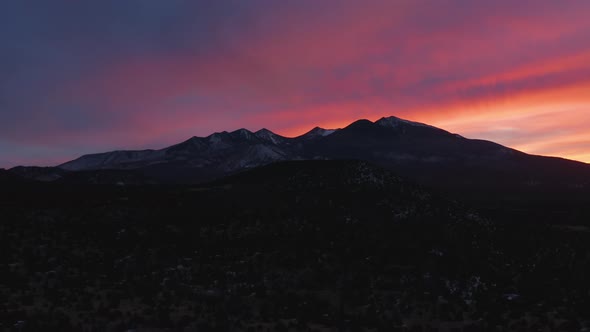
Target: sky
column 81, row 77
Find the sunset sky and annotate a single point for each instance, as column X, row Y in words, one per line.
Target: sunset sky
column 92, row 76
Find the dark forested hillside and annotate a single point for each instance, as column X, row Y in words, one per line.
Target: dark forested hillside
column 294, row 246
column 7, row 178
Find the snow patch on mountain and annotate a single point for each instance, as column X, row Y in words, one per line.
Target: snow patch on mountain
column 265, row 153
column 318, row 132
column 394, row 122
column 267, row 135
column 328, row 132
column 242, row 133
column 218, row 140
column 254, row 156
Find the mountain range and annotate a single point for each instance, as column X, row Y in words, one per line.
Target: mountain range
column 421, row 152
column 389, row 226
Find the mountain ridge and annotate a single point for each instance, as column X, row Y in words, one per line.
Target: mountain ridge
column 124, row 158
column 418, row 151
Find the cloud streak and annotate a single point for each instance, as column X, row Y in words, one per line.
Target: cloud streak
column 81, row 78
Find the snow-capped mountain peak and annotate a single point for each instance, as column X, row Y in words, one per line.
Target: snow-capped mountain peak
column 217, row 138
column 319, row 132
column 267, row 135
column 394, row 122
column 242, row 133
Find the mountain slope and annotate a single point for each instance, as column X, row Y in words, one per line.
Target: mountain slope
column 219, row 154
column 425, row 153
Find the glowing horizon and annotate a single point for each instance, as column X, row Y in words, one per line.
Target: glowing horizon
column 85, row 78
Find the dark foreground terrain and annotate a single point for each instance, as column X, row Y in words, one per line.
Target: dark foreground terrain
column 295, row 246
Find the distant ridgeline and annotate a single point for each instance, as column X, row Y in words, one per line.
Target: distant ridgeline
column 422, row 153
